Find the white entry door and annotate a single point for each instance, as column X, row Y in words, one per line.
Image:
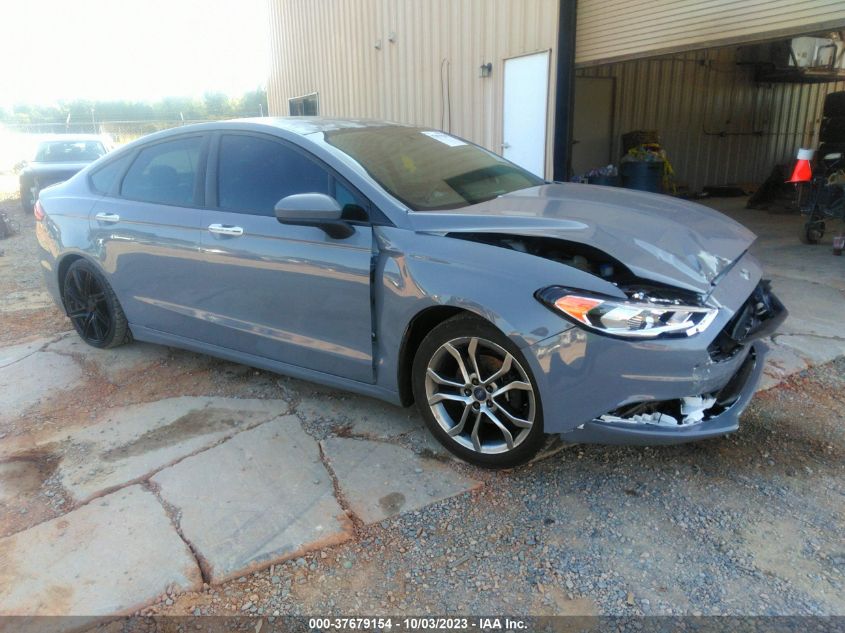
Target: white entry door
column 525, row 113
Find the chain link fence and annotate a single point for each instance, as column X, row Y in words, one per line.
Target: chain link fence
column 119, row 131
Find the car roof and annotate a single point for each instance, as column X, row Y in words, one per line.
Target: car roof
column 297, row 125
column 305, row 125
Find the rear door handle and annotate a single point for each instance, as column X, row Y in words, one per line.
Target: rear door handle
column 108, row 217
column 225, row 229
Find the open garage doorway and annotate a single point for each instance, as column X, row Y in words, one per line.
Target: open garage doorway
column 724, row 117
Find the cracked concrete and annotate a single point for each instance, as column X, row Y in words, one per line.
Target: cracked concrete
column 34, row 376
column 111, row 556
column 135, row 442
column 379, row 480
column 276, row 502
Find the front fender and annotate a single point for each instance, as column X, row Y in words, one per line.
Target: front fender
column 417, row 271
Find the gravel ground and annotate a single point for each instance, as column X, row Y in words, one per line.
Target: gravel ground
column 751, row 524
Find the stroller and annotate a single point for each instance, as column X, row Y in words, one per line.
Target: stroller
column 823, row 198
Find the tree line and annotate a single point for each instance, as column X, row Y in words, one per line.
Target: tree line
column 212, row 105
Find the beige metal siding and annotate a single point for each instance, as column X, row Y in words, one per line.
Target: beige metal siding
column 627, row 29
column 429, row 74
column 717, row 124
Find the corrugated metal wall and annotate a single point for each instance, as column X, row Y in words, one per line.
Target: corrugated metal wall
column 717, row 124
column 428, row 75
column 625, row 29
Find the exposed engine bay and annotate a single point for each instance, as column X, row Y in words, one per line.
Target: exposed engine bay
column 591, row 260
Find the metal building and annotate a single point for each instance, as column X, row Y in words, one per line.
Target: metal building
column 513, row 75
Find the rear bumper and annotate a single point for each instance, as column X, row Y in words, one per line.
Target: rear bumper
column 600, row 432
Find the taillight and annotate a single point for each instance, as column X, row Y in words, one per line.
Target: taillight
column 39, row 211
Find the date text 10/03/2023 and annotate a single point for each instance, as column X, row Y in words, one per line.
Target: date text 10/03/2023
column 425, row 623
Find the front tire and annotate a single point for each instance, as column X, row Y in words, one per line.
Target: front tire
column 27, row 203
column 477, row 394
column 93, row 307
column 812, row 232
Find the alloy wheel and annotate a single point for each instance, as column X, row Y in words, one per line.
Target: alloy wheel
column 85, row 300
column 480, row 395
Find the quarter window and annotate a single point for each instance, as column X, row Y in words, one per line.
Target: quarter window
column 165, row 173
column 103, row 179
column 254, row 174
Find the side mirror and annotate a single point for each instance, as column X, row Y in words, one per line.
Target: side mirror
column 314, row 209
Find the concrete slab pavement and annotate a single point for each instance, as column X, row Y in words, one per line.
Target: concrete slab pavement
column 117, row 363
column 131, row 443
column 379, row 480
column 262, row 496
column 111, row 556
column 15, row 353
column 25, row 382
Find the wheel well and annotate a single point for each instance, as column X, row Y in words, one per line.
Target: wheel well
column 419, row 327
column 64, row 264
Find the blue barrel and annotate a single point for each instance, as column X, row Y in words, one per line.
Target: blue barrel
column 642, row 175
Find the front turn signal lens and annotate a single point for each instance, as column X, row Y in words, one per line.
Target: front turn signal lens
column 577, row 307
column 626, row 318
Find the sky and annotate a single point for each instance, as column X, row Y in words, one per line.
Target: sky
column 53, row 50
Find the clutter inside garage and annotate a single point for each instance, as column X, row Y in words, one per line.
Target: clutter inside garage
column 721, row 122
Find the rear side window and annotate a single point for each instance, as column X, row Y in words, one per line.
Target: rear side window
column 104, row 178
column 254, row 174
column 164, row 173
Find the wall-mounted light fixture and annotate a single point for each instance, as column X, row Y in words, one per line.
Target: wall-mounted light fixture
column 392, row 37
column 378, row 44
column 485, row 70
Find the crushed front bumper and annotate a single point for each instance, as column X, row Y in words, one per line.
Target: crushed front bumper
column 744, row 383
column 583, row 376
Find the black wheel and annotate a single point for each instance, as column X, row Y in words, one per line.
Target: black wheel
column 27, row 203
column 477, row 394
column 812, row 232
column 93, row 307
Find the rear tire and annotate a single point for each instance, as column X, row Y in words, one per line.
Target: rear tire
column 93, row 307
column 477, row 394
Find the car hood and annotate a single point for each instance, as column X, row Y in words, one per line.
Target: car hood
column 657, row 237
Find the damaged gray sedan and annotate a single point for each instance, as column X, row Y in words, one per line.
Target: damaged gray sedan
column 410, row 265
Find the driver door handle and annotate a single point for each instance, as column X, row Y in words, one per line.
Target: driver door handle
column 107, row 217
column 225, row 229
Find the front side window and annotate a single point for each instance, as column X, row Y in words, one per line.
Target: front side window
column 253, row 174
column 429, row 170
column 69, row 151
column 164, row 173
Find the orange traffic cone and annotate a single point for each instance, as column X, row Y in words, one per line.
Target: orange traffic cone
column 803, row 172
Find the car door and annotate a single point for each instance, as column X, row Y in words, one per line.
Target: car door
column 288, row 293
column 147, row 228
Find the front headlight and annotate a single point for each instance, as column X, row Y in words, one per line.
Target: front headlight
column 625, row 318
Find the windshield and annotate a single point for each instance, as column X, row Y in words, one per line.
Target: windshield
column 69, row 151
column 429, row 170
